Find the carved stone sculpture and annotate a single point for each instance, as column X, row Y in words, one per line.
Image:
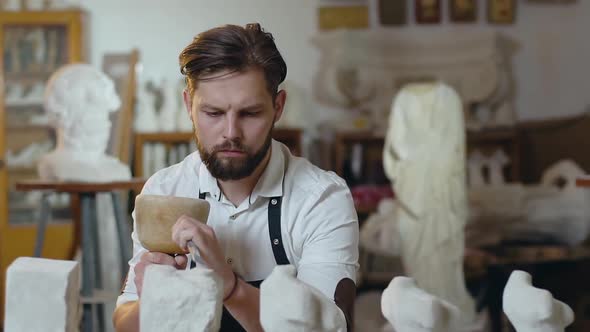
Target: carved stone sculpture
column 532, row 309
column 180, row 300
column 410, row 309
column 424, row 157
column 288, row 304
column 78, row 100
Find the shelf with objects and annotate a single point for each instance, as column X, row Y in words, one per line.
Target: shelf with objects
column 32, row 46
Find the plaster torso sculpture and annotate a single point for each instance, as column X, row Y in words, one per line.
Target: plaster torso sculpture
column 424, row 157
column 411, row 309
column 78, row 101
column 288, row 304
column 531, row 309
column 180, row 300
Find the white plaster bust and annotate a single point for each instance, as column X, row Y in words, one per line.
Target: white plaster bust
column 288, row 304
column 532, row 309
column 411, row 309
column 78, row 100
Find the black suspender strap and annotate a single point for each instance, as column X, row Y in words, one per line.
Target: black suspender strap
column 274, row 228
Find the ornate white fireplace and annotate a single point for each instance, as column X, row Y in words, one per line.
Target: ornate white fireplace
column 363, row 70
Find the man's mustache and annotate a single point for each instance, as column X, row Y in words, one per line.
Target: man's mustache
column 230, row 145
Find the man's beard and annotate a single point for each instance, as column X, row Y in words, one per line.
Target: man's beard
column 228, row 169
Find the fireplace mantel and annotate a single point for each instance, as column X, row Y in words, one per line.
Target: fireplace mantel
column 366, row 68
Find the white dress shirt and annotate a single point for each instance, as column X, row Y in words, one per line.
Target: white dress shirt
column 319, row 224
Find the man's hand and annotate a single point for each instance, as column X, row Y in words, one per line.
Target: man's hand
column 189, row 229
column 149, row 258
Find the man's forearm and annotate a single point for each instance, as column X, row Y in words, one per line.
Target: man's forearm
column 126, row 317
column 244, row 305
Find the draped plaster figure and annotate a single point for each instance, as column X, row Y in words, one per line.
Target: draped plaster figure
column 78, row 101
column 424, row 157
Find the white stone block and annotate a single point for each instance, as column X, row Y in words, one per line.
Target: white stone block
column 180, row 300
column 42, row 295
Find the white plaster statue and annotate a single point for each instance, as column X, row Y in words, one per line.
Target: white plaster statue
column 288, row 304
column 78, row 101
column 475, row 166
column 379, row 233
column 180, row 300
column 496, row 164
column 169, row 109
column 558, row 207
column 424, row 157
column 146, row 119
column 410, row 309
column 531, row 309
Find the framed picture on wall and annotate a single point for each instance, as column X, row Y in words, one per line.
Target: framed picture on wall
column 501, row 11
column 463, row 10
column 427, row 11
column 392, row 12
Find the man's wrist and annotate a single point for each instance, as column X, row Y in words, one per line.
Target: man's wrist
column 229, row 291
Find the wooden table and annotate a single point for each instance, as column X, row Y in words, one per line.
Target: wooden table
column 83, row 195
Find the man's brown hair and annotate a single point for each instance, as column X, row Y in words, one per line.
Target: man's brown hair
column 234, row 48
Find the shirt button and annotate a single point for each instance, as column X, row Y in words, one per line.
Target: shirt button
column 230, row 261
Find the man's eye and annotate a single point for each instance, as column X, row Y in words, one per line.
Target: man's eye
column 250, row 113
column 213, row 114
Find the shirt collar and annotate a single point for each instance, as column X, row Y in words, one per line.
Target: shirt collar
column 270, row 183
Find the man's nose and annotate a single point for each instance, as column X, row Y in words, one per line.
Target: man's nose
column 232, row 129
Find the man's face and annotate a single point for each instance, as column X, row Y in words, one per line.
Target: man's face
column 233, row 116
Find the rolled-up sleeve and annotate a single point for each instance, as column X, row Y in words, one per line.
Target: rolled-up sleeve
column 330, row 249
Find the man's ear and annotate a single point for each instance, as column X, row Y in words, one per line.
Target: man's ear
column 188, row 102
column 279, row 104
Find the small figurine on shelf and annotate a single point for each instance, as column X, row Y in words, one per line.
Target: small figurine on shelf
column 63, row 4
column 35, row 4
column 11, row 5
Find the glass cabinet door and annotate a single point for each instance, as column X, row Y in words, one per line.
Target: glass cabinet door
column 31, row 53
